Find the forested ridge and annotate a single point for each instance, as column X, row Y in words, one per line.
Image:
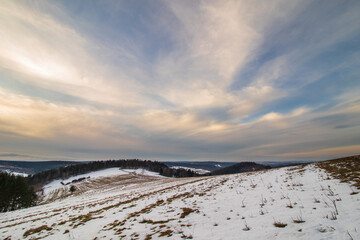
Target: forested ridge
column 45, row 177
column 240, row 167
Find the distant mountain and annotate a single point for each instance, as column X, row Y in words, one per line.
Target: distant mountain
column 30, row 167
column 240, row 167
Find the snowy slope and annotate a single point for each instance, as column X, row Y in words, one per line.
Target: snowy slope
column 307, row 199
column 109, row 172
column 93, row 180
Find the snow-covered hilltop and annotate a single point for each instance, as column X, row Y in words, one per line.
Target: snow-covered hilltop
column 63, row 184
column 302, row 202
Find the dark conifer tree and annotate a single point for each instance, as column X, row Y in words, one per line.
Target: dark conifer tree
column 15, row 193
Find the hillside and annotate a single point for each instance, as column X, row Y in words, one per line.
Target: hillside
column 301, row 202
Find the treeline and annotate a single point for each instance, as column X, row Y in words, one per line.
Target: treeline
column 15, row 192
column 178, row 173
column 45, row 177
column 239, row 168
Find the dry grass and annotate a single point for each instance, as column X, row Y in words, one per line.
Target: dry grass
column 187, row 211
column 346, row 169
column 183, row 236
column 167, row 233
column 247, row 227
column 149, row 221
column 289, row 205
column 333, row 216
column 148, row 237
column 82, row 219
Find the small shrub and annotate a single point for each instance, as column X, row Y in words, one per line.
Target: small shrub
column 72, row 188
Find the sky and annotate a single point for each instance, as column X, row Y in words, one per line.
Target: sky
column 216, row 80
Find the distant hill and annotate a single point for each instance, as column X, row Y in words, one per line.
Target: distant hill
column 208, row 165
column 33, row 167
column 240, row 167
column 275, row 164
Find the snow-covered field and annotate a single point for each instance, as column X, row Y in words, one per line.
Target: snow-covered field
column 304, row 203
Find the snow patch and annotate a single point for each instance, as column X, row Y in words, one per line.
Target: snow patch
column 16, row 173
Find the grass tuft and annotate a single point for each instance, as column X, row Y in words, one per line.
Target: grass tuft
column 299, row 219
column 280, row 224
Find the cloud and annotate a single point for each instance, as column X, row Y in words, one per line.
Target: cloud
column 210, row 79
column 181, row 124
column 30, row 117
column 325, row 152
column 13, row 155
column 54, row 56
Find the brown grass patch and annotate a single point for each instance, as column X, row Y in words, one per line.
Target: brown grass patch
column 37, row 230
column 167, row 233
column 187, row 211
